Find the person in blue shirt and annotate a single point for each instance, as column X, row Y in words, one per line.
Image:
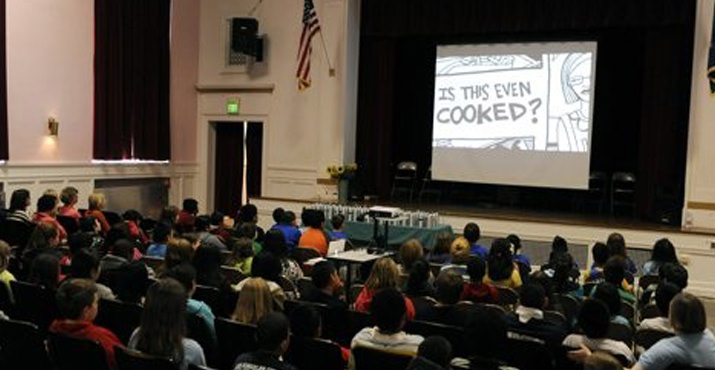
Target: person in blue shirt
column 516, row 248
column 185, row 274
column 160, row 237
column 337, row 234
column 472, row 233
column 288, row 227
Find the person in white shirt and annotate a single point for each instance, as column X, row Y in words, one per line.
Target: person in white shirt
column 663, row 296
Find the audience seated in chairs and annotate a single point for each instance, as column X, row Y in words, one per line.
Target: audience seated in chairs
column 267, row 266
column 69, row 197
column 608, row 294
column 617, row 247
column 410, row 252
column 389, row 313
column 664, row 295
column 274, row 242
column 472, row 233
column 186, row 218
column 529, row 317
column 459, row 250
column 384, row 274
column 615, row 272
column 207, row 262
column 45, row 271
column 43, row 240
column 97, row 202
column 449, row 285
column 85, row 265
column 476, row 290
column 78, row 302
column 327, row 287
column 419, row 289
column 202, row 225
column 434, row 353
column 306, row 324
column 242, row 255
column 248, row 215
column 132, row 282
column 160, row 238
column 46, row 212
column 285, row 222
column 120, row 254
column 314, row 237
column 486, row 333
column 600, row 254
column 338, row 222
column 501, row 268
column 669, row 272
column 519, row 258
column 273, row 338
column 440, row 254
column 162, row 331
column 663, row 252
column 254, row 302
column 19, row 201
column 186, row 275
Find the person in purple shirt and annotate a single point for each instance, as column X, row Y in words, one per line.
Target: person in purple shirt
column 472, row 233
column 287, row 226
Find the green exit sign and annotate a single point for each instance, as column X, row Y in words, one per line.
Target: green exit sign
column 233, row 106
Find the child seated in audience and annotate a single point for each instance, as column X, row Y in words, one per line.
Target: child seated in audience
column 486, row 333
column 663, row 252
column 178, row 251
column 617, row 247
column 19, row 201
column 86, row 266
column 90, row 226
column 529, row 316
column 440, row 254
column 501, row 268
column 664, row 295
column 162, row 331
column 268, row 266
column 593, row 320
column 160, row 237
column 207, row 262
column 472, row 233
column 410, row 251
column 600, row 254
column 384, row 274
column 274, row 242
column 187, row 216
column 5, row 276
column 389, row 313
column 314, row 237
column 248, row 214
column 202, row 224
column 44, row 239
column 132, row 218
column 476, row 290
column 221, row 226
column 285, row 222
column 121, row 253
column 306, row 323
column 272, row 335
column 249, row 230
column 518, row 257
column 669, row 272
column 434, row 353
column 327, row 287
column 608, row 294
column 459, row 251
column 97, row 202
column 565, row 276
column 132, row 281
column 338, row 221
column 615, row 273
column 47, row 212
column 418, row 283
column 446, row 311
column 254, row 302
column 45, row 271
column 242, row 256
column 78, row 303
column 186, row 275
column 69, row 197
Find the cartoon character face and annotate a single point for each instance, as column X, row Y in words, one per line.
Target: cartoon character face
column 580, row 81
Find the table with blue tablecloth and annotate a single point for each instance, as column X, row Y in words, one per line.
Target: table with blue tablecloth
column 362, row 232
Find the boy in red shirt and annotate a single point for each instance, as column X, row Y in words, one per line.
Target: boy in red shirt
column 476, row 290
column 78, row 301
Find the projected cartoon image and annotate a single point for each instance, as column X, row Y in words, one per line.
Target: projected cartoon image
column 531, row 102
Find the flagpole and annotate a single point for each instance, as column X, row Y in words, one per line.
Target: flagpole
column 331, row 70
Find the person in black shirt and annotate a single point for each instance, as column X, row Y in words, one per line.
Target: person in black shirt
column 447, row 310
column 529, row 316
column 326, row 287
column 273, row 340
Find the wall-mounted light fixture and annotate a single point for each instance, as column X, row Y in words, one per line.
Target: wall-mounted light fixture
column 53, row 126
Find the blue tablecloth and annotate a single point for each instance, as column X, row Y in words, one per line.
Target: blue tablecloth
column 362, row 232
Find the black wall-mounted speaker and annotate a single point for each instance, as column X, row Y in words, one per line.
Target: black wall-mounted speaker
column 244, row 37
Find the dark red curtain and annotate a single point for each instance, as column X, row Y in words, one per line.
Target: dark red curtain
column 131, row 68
column 3, row 86
column 254, row 158
column 228, row 169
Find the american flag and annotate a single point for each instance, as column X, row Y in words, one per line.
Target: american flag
column 310, row 28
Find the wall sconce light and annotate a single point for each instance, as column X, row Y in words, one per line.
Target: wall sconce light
column 53, row 126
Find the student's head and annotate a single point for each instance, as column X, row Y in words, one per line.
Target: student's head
column 325, row 276
column 687, row 314
column 601, row 361
column 384, row 274
column 486, row 333
column 449, row 285
column 161, row 233
column 85, row 265
column 275, row 242
column 45, row 235
column 600, row 254
column 616, row 244
column 207, row 262
column 242, row 248
column 533, row 295
column 69, row 195
column 664, row 295
column 254, row 301
column 410, row 251
column 500, row 263
column 132, row 282
column 123, row 248
column 273, row 333
column 47, row 204
column 248, row 213
column 418, row 278
column 132, row 215
column 472, row 232
column 96, row 201
column 515, row 242
column 289, row 218
column 562, row 265
column 313, row 218
column 5, row 252
column 163, row 321
column 45, row 271
column 460, row 250
column 278, row 214
column 337, row 222
column 117, row 232
column 388, row 310
column 169, row 215
column 305, row 322
column 436, row 349
column 19, row 200
column 674, row 273
column 267, row 265
column 608, row 294
column 442, row 243
column 476, row 268
column 190, row 205
column 217, row 218
column 594, row 318
column 541, row 278
column 559, row 245
column 664, row 252
column 185, row 274
column 77, row 300
column 202, row 223
column 615, row 270
column 178, row 250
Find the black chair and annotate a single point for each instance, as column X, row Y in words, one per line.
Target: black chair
column 556, row 317
column 314, row 354
column 128, row 359
column 233, row 275
column 302, row 255
column 628, row 310
column 22, row 346
column 620, row 332
column 34, row 303
column 405, row 179
column 650, row 311
column 209, row 295
column 455, row 335
column 647, row 338
column 113, row 218
column 16, row 233
column 119, row 317
column 371, row 359
column 598, row 189
column 569, row 304
column 305, row 285
column 428, row 188
column 492, row 307
column 508, row 298
column 234, row 339
column 70, row 224
column 623, row 191
column 70, row 353
column 198, row 330
column 357, row 321
column 526, row 352
column 354, row 292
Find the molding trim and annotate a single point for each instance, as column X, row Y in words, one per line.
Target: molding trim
column 242, row 88
column 708, row 206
